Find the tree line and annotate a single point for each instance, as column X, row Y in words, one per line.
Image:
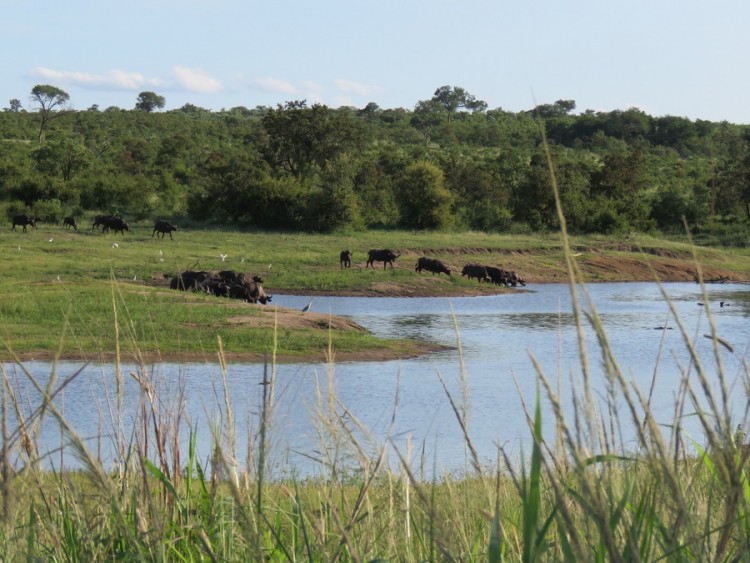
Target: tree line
column 448, row 163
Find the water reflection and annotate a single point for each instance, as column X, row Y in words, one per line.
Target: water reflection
column 499, row 336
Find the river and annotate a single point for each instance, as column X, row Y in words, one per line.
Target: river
column 407, row 401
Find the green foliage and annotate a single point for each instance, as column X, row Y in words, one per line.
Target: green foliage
column 425, row 202
column 269, row 167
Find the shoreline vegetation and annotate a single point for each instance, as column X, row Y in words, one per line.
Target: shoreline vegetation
column 61, row 284
column 580, row 493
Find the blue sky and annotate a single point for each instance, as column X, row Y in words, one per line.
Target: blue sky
column 686, row 58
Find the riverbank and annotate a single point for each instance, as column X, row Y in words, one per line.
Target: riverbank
column 91, row 297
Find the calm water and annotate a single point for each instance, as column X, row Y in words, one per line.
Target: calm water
column 498, row 336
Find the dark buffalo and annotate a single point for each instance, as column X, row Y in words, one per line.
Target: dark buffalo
column 475, row 271
column 115, row 224
column 222, row 284
column 163, row 227
column 69, row 222
column 345, row 259
column 516, row 280
column 432, row 265
column 101, row 220
column 385, row 256
column 190, row 280
column 24, row 220
column 256, row 293
column 498, row 276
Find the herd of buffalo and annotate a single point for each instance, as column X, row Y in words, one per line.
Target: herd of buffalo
column 480, row 272
column 106, row 222
column 236, row 285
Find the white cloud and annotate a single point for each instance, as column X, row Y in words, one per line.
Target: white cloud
column 352, row 87
column 114, row 79
column 196, row 80
column 274, row 85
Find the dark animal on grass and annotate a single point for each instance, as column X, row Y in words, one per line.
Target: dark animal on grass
column 475, row 271
column 432, row 265
column 163, row 227
column 226, row 283
column 115, row 224
column 385, row 256
column 345, row 259
column 101, row 220
column 69, row 222
column 24, row 220
column 190, row 281
column 498, row 276
column 230, row 276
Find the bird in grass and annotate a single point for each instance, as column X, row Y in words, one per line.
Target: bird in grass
column 161, row 256
column 223, row 257
column 114, row 245
column 51, row 239
column 306, row 308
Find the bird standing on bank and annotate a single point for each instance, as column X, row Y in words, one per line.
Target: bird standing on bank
column 306, row 308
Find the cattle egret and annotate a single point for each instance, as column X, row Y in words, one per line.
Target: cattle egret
column 223, row 257
column 19, row 248
column 161, row 256
column 135, row 278
column 114, row 245
column 58, row 278
column 50, row 239
column 307, row 307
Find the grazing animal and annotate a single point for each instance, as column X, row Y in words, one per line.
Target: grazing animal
column 475, row 271
column 69, row 222
column 116, row 224
column 385, row 256
column 345, row 259
column 163, row 227
column 101, row 220
column 432, row 265
column 24, row 220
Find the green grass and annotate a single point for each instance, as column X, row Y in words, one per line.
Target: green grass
column 70, row 286
column 582, row 497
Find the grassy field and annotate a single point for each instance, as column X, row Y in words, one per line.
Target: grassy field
column 73, row 293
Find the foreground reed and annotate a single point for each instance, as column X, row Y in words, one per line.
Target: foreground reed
column 583, row 497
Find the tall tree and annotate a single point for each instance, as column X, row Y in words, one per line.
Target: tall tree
column 425, row 201
column 51, row 102
column 456, row 98
column 149, row 101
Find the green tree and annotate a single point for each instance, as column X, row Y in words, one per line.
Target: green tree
column 51, row 103
column 338, row 207
column 455, row 98
column 149, row 101
column 300, row 137
column 424, row 200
